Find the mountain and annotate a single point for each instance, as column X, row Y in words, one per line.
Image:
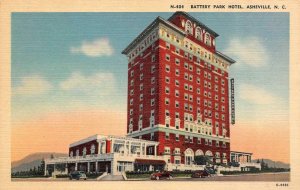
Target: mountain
column 272, row 163
column 33, row 160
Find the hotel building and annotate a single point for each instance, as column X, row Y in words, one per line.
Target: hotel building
column 178, row 104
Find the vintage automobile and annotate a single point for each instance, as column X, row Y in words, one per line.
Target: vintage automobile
column 77, row 175
column 200, row 174
column 161, row 175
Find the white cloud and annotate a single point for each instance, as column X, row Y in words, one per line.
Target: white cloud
column 97, row 48
column 249, row 51
column 264, row 105
column 32, row 85
column 96, row 84
column 257, row 95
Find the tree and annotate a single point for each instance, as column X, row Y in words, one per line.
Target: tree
column 202, row 160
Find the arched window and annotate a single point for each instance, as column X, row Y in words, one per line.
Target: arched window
column 93, row 149
column 189, row 156
column 198, row 33
column 71, row 154
column 207, row 39
column 199, row 152
column 188, row 27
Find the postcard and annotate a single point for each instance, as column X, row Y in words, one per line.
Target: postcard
column 143, row 95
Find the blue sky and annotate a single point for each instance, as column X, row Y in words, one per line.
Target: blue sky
column 56, row 65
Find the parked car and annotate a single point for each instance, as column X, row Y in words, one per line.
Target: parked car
column 201, row 174
column 77, row 175
column 161, row 175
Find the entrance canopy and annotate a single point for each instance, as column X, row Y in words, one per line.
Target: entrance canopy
column 150, row 162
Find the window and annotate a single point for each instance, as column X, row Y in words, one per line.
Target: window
column 177, row 51
column 191, row 67
column 167, row 150
column 176, row 93
column 141, row 66
column 217, row 143
column 177, row 72
column 198, row 80
column 176, row 104
column 167, row 45
column 167, row 57
column 167, row 90
column 223, row 99
column 167, row 80
column 186, row 65
column 153, row 58
column 186, row 76
column 186, row 86
column 191, row 88
column 191, row 78
column 141, row 97
column 131, row 111
column 216, row 88
column 177, row 62
column 176, row 115
column 186, row 96
column 167, row 113
column 152, row 91
column 176, row 83
column 216, row 79
column 152, row 68
column 188, row 27
column 167, row 68
column 186, row 54
column 198, row 100
column 141, row 86
column 141, row 76
column 216, row 106
column 131, row 101
column 132, row 73
column 152, row 80
column 186, row 106
column 186, row 138
column 198, row 90
column 206, row 141
column 199, row 140
column 131, row 82
column 167, row 101
column 152, row 102
column 141, row 107
column 167, row 136
column 152, row 136
column 222, row 82
column 191, row 98
column 198, row 33
column 191, row 56
column 207, row 39
column 216, row 97
column 223, row 90
column 191, row 108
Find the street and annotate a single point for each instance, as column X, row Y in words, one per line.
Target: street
column 285, row 177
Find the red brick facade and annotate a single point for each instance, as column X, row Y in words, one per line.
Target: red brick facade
column 167, row 80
